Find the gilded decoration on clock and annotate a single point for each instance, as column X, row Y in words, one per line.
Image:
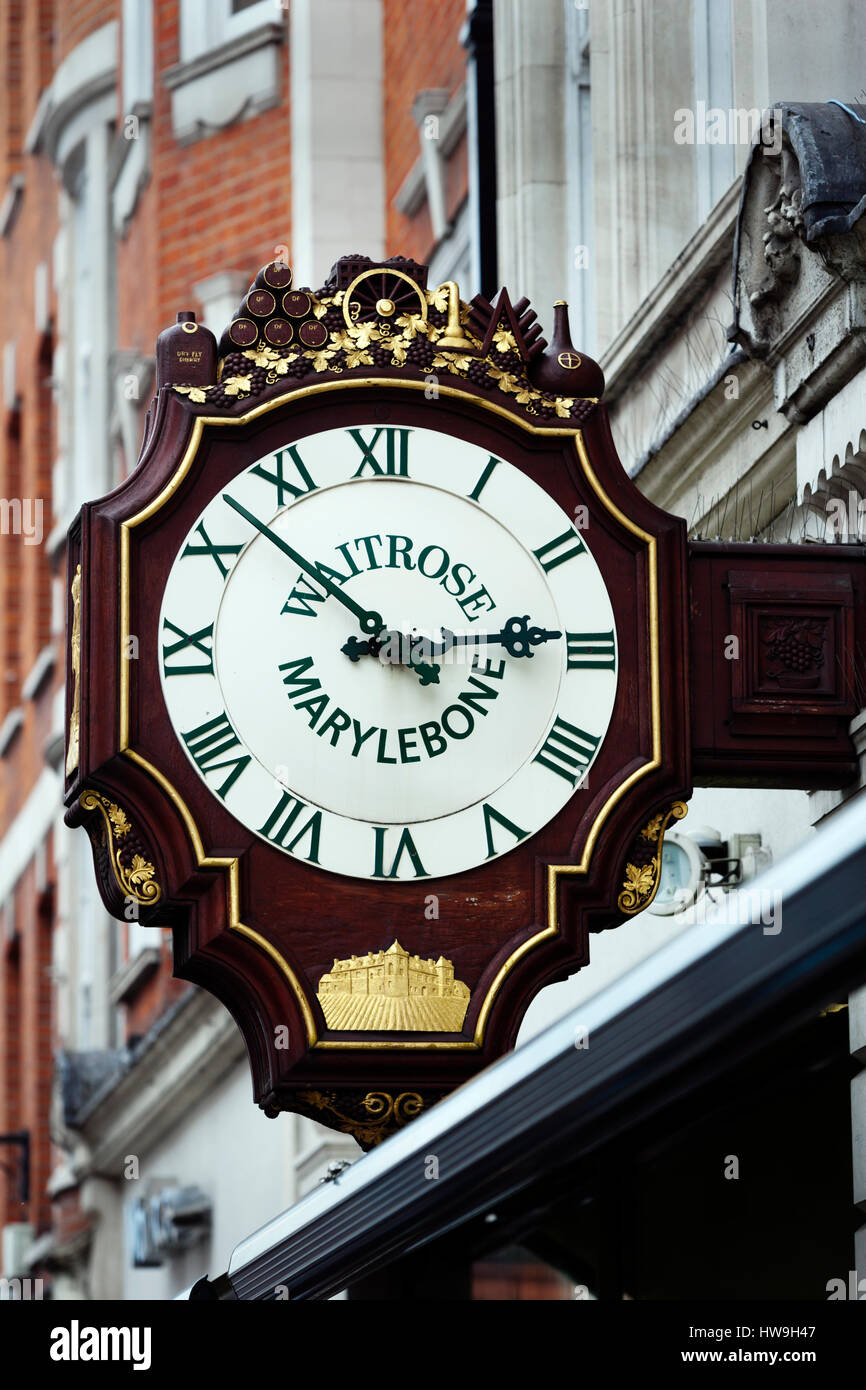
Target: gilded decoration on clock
column 644, row 862
column 391, row 990
column 384, row 317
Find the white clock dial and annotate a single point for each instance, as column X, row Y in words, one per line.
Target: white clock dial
column 359, row 766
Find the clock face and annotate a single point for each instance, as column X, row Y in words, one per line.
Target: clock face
column 363, row 720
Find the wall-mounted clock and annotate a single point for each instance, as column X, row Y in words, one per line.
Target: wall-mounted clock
column 427, row 691
column 378, row 692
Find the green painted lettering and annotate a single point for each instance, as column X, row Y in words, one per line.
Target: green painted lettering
column 282, row 819
column 381, row 756
column 278, row 479
column 484, row 692
column 476, row 601
column 209, row 742
column 406, row 846
column 402, row 550
column 336, row 721
column 591, row 651
column 361, row 739
column 189, row 639
column 431, row 737
column 315, row 704
column 484, row 479
column 396, row 459
column 563, row 548
column 215, row 551
column 295, row 677
column 491, row 815
column 567, row 747
column 403, row 738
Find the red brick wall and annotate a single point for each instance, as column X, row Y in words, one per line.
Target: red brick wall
column 26, row 1048
column 422, row 50
column 219, row 203
column 223, row 201
column 26, row 454
column 75, row 19
column 158, row 993
column 27, row 445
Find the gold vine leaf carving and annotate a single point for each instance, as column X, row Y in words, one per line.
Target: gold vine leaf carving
column 641, row 882
column 359, row 357
column 237, row 386
column 321, row 360
column 138, row 880
column 119, row 820
column 504, row 340
column 412, row 325
column 141, row 871
column 640, row 879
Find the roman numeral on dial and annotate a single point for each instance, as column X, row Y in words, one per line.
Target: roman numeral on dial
column 215, row 551
column 484, row 479
column 282, row 820
column 591, row 651
column 563, row 548
column 567, row 747
column 392, row 460
column 209, row 742
column 192, row 641
column 489, row 816
column 405, row 846
column 278, row 477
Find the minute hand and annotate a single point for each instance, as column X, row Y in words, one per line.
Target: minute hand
column 516, row 636
column 371, row 621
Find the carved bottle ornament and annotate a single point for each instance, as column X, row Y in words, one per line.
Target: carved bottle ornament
column 563, row 370
column 186, row 354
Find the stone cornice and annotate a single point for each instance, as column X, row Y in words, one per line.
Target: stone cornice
column 180, row 1062
column 672, row 299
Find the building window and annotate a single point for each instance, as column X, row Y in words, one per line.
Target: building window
column 137, row 53
column 230, row 65
column 205, row 24
column 714, row 91
column 452, row 259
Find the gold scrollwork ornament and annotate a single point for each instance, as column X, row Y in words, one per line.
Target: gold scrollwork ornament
column 642, row 880
column 136, row 876
column 387, row 1113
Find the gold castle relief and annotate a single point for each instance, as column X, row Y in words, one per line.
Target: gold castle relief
column 393, row 991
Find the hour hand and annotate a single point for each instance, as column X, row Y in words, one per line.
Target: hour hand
column 396, row 647
column 355, row 649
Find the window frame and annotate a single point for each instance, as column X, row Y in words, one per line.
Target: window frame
column 208, row 24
